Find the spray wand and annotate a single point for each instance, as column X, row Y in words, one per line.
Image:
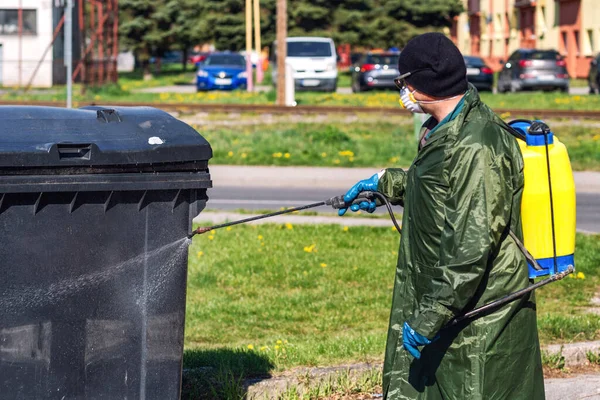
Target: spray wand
column 336, row 202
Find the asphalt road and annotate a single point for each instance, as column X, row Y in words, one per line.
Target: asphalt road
column 269, row 198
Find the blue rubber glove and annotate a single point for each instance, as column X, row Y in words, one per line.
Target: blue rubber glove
column 362, row 186
column 412, row 339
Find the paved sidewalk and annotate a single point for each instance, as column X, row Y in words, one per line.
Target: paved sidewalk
column 334, row 178
column 575, row 388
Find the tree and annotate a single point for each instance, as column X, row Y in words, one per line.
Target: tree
column 186, row 31
column 150, row 27
column 135, row 27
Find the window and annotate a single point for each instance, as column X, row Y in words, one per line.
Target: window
column 309, row 49
column 543, row 55
column 474, row 61
column 225, row 59
column 383, row 59
column 591, row 50
column 9, row 22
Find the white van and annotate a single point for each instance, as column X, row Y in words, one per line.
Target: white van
column 314, row 61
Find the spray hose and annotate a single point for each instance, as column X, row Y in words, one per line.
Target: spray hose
column 338, row 202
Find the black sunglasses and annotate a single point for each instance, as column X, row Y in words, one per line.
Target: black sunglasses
column 400, row 81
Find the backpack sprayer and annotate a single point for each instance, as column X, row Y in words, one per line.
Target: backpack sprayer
column 549, row 186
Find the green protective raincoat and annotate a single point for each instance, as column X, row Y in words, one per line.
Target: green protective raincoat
column 461, row 196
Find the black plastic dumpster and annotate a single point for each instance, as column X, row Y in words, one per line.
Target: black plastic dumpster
column 95, row 206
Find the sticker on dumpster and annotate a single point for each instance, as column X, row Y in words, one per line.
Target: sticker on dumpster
column 155, row 140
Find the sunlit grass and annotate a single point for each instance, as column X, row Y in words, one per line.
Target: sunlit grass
column 320, row 294
column 357, row 144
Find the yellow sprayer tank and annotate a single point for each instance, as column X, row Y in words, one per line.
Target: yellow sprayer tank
column 539, row 197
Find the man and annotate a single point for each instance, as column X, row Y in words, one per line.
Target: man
column 461, row 197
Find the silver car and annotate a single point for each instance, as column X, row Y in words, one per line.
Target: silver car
column 531, row 69
column 375, row 71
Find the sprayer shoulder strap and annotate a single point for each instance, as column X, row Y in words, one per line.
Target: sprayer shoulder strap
column 530, row 259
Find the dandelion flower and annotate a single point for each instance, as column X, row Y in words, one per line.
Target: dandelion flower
column 289, row 226
column 230, row 154
column 244, row 155
column 250, row 347
column 263, row 348
column 311, row 248
column 287, row 155
column 228, row 228
column 323, row 154
column 323, row 265
column 211, row 237
column 345, row 229
column 279, row 342
column 304, row 273
column 336, row 161
column 580, row 275
column 277, row 347
column 571, row 276
column 200, row 253
column 260, row 237
column 277, row 155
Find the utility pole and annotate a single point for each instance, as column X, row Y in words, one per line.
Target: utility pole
column 20, row 23
column 249, row 45
column 259, row 71
column 281, row 49
column 69, row 51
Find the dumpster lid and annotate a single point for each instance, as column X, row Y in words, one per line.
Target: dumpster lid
column 96, row 136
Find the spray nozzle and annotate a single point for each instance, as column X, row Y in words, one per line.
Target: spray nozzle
column 199, row 231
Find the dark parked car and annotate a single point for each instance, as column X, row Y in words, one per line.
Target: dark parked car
column 376, row 70
column 169, row 57
column 478, row 73
column 594, row 76
column 534, row 70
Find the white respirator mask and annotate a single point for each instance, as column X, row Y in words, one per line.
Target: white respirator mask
column 408, row 101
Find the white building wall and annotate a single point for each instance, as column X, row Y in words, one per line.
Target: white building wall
column 32, row 47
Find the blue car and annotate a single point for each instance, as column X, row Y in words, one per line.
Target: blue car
column 222, row 71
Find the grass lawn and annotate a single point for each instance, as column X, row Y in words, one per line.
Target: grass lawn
column 173, row 75
column 125, row 93
column 267, row 298
column 361, row 143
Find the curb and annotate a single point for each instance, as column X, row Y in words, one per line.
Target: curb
column 574, row 353
column 304, row 379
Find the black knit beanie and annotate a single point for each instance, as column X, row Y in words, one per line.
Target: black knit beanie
column 437, row 66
